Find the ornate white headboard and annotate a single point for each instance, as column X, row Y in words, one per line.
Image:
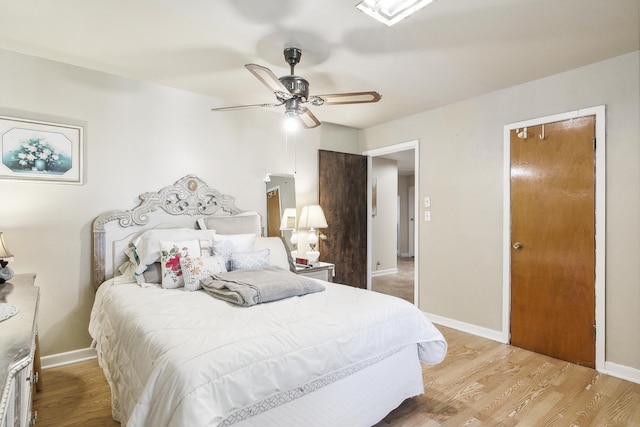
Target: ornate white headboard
column 177, row 205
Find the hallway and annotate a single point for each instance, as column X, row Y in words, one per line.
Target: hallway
column 400, row 284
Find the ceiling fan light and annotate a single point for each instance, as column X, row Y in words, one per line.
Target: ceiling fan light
column 290, row 123
column 390, row 12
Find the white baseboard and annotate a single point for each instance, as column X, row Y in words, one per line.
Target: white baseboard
column 384, row 272
column 61, row 359
column 623, row 372
column 469, row 328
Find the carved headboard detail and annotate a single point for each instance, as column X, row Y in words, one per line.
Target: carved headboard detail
column 180, row 205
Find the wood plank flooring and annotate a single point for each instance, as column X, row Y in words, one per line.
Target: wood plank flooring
column 74, row 395
column 480, row 383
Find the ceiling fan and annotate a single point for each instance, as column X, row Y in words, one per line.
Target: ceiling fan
column 293, row 92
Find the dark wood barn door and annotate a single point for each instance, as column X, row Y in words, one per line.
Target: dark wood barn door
column 343, row 196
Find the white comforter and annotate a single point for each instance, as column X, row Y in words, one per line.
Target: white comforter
column 176, row 358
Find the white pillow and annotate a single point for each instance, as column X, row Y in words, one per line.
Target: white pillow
column 195, row 269
column 172, row 252
column 279, row 256
column 225, row 245
column 242, row 223
column 145, row 249
column 244, row 260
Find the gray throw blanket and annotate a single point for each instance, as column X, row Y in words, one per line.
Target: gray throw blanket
column 257, row 285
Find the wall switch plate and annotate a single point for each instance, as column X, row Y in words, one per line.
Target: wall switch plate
column 427, row 215
column 427, row 201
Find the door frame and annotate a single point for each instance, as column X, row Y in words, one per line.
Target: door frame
column 600, row 215
column 410, row 145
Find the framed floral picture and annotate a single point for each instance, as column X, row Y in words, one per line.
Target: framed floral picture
column 40, row 151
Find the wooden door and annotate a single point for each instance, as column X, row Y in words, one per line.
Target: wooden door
column 273, row 212
column 553, row 240
column 342, row 192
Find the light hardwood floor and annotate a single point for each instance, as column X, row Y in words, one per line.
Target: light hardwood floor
column 480, row 383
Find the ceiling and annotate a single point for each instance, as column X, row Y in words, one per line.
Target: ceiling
column 449, row 51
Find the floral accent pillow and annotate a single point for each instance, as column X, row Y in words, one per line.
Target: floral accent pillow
column 244, row 260
column 170, row 255
column 145, row 249
column 194, row 269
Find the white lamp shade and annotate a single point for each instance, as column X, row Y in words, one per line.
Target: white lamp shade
column 288, row 219
column 311, row 217
column 4, row 251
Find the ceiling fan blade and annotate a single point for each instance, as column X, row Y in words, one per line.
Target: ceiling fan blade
column 244, row 107
column 308, row 120
column 269, row 79
column 345, row 98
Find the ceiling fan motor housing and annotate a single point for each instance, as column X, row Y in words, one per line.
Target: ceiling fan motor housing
column 296, row 85
column 299, row 88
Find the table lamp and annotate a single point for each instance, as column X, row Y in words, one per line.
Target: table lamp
column 312, row 217
column 5, row 256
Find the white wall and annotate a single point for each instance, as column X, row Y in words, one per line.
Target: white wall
column 384, row 225
column 405, row 182
column 461, row 158
column 139, row 137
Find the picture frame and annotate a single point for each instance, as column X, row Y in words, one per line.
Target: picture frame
column 35, row 150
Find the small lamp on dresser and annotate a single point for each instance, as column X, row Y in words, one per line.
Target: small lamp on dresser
column 5, row 256
column 312, row 217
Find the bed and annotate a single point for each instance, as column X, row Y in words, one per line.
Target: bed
column 180, row 355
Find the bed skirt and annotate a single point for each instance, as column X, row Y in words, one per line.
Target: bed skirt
column 361, row 399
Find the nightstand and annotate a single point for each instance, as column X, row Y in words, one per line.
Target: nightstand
column 19, row 353
column 322, row 271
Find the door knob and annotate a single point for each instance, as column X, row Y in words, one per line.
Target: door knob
column 517, row 245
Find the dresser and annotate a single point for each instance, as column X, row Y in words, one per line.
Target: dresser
column 19, row 357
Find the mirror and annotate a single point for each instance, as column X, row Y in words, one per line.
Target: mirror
column 281, row 195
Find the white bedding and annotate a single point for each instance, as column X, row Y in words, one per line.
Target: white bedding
column 176, row 358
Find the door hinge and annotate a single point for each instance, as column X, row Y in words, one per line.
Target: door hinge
column 594, row 144
column 594, row 332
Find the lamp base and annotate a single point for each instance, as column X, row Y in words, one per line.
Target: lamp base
column 5, row 274
column 313, row 256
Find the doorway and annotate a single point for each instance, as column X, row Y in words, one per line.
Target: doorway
column 407, row 156
column 553, row 266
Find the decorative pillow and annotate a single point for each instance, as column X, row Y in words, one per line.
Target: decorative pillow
column 145, row 249
column 153, row 274
column 244, row 260
column 206, row 247
column 194, row 269
column 242, row 223
column 225, row 245
column 170, row 261
column 279, row 254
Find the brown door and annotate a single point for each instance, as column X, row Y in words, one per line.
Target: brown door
column 553, row 240
column 273, row 213
column 342, row 192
